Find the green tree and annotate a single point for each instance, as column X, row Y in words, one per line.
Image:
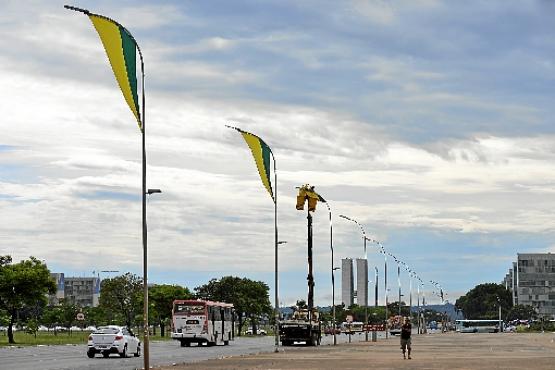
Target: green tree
column 32, row 327
column 22, row 285
column 95, row 316
column 250, row 298
column 161, row 299
column 522, row 312
column 482, row 301
column 51, row 317
column 122, row 296
column 67, row 314
column 393, row 309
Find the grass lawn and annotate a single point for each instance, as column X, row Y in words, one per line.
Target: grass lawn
column 48, row 338
column 24, row 339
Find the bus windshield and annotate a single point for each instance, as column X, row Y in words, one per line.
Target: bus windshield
column 189, row 309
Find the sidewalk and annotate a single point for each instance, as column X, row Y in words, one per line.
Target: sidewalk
column 432, row 351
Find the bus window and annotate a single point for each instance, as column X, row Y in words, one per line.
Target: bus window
column 216, row 315
column 189, row 309
column 227, row 314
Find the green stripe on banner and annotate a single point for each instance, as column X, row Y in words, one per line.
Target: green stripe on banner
column 130, row 55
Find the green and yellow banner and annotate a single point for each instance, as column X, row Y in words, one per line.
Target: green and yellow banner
column 261, row 153
column 121, row 49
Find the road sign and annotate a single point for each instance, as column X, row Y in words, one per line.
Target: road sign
column 80, row 316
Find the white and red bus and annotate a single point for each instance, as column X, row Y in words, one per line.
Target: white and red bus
column 202, row 322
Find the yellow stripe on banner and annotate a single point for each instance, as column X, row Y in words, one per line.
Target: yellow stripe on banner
column 110, row 36
column 254, row 144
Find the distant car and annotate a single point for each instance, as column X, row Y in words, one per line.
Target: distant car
column 113, row 339
column 259, row 332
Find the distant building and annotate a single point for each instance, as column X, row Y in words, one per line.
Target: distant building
column 533, row 282
column 54, row 299
column 82, row 291
column 347, row 282
column 362, row 282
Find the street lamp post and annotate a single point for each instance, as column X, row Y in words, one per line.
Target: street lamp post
column 375, row 333
column 500, row 322
column 382, row 251
column 366, row 277
column 332, row 275
column 398, row 279
column 333, row 303
column 112, row 34
column 277, row 314
column 146, row 346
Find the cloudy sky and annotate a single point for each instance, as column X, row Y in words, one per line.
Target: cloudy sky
column 430, row 122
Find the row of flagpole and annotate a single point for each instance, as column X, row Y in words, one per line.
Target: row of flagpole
column 121, row 49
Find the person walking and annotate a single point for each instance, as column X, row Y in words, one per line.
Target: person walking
column 406, row 331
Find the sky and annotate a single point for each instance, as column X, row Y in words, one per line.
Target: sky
column 429, row 122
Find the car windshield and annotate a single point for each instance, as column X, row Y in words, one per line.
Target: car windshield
column 106, row 330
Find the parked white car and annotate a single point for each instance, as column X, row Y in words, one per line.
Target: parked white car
column 259, row 332
column 113, row 339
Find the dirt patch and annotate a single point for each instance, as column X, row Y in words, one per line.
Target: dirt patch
column 434, row 351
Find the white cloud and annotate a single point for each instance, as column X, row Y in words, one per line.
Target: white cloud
column 70, row 181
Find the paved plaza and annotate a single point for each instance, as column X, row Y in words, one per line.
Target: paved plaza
column 432, row 351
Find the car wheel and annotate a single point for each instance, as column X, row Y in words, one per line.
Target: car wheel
column 226, row 343
column 138, row 353
column 105, row 354
column 124, row 353
column 90, row 354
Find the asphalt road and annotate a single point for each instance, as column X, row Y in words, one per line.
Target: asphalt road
column 161, row 353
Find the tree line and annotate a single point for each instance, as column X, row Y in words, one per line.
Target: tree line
column 25, row 286
column 483, row 302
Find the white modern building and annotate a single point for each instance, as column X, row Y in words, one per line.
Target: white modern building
column 532, row 282
column 362, row 282
column 82, row 291
column 347, row 282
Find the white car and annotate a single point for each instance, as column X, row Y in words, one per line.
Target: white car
column 113, row 339
column 259, row 332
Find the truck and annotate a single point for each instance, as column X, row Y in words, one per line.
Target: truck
column 305, row 325
column 302, row 327
column 394, row 324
